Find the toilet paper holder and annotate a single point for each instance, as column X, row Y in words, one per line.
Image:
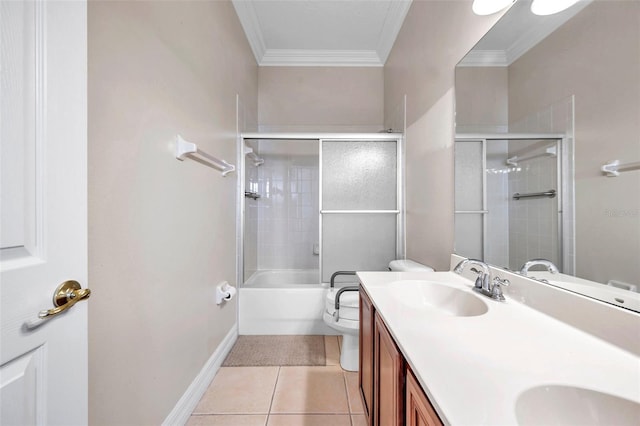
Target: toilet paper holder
column 224, row 292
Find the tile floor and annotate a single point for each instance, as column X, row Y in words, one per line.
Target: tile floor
column 283, row 396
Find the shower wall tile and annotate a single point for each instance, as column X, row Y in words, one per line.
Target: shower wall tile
column 287, row 224
column 556, row 118
column 533, row 220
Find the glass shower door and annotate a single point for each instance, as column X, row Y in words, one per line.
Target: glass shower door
column 359, row 205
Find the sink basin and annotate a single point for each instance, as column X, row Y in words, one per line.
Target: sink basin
column 419, row 294
column 568, row 405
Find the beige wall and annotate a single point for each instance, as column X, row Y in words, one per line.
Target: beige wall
column 434, row 37
column 482, row 99
column 322, row 99
column 161, row 231
column 596, row 57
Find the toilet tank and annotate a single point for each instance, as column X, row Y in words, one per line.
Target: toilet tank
column 408, row 265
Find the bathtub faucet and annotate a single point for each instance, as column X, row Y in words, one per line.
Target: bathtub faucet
column 544, row 262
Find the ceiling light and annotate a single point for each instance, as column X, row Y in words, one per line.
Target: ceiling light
column 488, row 7
column 549, row 7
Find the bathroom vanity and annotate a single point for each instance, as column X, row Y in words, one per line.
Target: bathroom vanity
column 435, row 352
column 389, row 389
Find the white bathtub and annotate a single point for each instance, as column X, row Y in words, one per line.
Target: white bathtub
column 282, row 302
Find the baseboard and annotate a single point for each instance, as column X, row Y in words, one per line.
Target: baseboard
column 187, row 403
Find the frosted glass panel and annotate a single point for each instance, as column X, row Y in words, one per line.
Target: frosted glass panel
column 359, row 175
column 468, row 232
column 468, row 175
column 357, row 242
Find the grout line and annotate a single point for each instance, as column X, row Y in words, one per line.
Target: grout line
column 273, row 395
column 346, row 391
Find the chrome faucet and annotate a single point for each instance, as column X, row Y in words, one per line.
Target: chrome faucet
column 533, row 262
column 483, row 283
column 484, row 277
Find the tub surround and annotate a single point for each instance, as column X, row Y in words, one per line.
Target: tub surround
column 474, row 368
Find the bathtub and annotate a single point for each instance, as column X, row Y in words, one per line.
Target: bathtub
column 282, row 302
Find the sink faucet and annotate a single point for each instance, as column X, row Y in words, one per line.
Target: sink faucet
column 533, row 262
column 484, row 277
column 483, row 284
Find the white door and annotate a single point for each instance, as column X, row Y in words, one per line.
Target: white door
column 43, row 202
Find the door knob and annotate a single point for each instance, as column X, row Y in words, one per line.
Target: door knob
column 65, row 296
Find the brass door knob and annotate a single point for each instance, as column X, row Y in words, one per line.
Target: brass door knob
column 66, row 295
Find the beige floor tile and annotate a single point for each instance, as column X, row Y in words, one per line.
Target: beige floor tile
column 332, row 350
column 239, row 390
column 315, row 390
column 353, row 392
column 358, row 420
column 228, row 420
column 309, row 420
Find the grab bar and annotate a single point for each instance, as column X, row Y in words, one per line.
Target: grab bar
column 550, row 193
column 251, row 194
column 336, row 313
column 335, row 274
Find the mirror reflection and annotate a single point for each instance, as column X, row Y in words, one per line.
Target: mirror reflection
column 542, row 103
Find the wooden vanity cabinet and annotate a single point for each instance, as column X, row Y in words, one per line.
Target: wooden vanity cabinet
column 390, row 393
column 388, row 378
column 419, row 411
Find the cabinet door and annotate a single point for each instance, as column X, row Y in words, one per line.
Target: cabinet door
column 388, row 378
column 366, row 354
column 419, row 411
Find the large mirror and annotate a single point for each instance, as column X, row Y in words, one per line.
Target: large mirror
column 542, row 103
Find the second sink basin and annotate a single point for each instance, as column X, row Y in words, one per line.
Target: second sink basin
column 568, row 405
column 421, row 294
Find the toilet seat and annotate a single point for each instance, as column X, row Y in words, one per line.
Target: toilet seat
column 349, row 304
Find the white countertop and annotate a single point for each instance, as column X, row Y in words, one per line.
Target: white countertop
column 474, row 368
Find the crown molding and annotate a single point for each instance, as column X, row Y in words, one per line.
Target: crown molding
column 395, row 18
column 534, row 35
column 335, row 58
column 251, row 26
column 485, row 58
column 320, row 58
column 539, row 32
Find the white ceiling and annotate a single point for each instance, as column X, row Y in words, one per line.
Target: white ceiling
column 515, row 33
column 321, row 32
column 362, row 32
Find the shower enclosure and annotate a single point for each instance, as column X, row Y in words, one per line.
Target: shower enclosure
column 514, row 199
column 314, row 204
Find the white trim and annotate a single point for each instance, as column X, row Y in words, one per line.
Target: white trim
column 529, row 38
column 314, row 58
column 393, row 23
column 251, row 25
column 318, row 136
column 485, row 58
column 187, row 403
column 539, row 32
column 331, row 58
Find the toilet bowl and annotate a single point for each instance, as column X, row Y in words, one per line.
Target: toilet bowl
column 345, row 320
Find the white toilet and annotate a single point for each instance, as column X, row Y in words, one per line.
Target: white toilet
column 346, row 319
